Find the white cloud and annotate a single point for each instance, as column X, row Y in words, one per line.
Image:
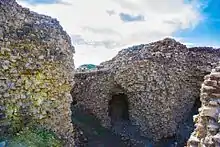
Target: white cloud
column 103, row 34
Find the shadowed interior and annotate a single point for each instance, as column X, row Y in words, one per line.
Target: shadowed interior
column 118, row 108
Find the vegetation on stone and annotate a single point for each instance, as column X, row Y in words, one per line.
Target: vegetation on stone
column 36, row 72
column 155, row 85
column 34, row 137
column 86, row 67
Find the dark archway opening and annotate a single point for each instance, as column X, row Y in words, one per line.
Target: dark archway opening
column 118, row 108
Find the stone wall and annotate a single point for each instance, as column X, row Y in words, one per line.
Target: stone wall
column 160, row 79
column 207, row 121
column 202, row 60
column 36, row 72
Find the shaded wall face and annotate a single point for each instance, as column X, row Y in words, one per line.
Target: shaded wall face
column 36, row 71
column 94, row 92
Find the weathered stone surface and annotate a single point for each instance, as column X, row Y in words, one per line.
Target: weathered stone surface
column 208, row 117
column 161, row 81
column 36, row 71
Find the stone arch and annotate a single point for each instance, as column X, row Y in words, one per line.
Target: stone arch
column 118, row 107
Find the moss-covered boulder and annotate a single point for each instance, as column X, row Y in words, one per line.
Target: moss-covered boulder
column 36, row 71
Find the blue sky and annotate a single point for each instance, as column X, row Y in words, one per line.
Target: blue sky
column 100, row 28
column 129, row 18
column 206, row 32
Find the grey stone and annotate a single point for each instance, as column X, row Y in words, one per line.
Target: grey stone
column 161, row 81
column 29, row 85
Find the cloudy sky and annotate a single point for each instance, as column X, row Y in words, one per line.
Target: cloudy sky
column 100, row 28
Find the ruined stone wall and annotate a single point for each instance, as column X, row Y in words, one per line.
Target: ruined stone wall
column 159, row 80
column 207, row 121
column 36, row 72
column 93, row 90
column 202, row 60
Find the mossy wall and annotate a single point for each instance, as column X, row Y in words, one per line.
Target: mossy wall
column 36, row 71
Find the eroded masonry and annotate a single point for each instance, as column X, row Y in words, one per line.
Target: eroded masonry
column 153, row 86
column 207, row 121
column 36, row 72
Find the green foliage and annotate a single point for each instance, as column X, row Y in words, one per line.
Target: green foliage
column 35, row 138
column 88, row 66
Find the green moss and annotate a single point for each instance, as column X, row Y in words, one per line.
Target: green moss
column 40, row 91
column 22, row 45
column 35, row 137
column 12, row 113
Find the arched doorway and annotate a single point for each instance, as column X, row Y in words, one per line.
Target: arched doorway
column 118, row 108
